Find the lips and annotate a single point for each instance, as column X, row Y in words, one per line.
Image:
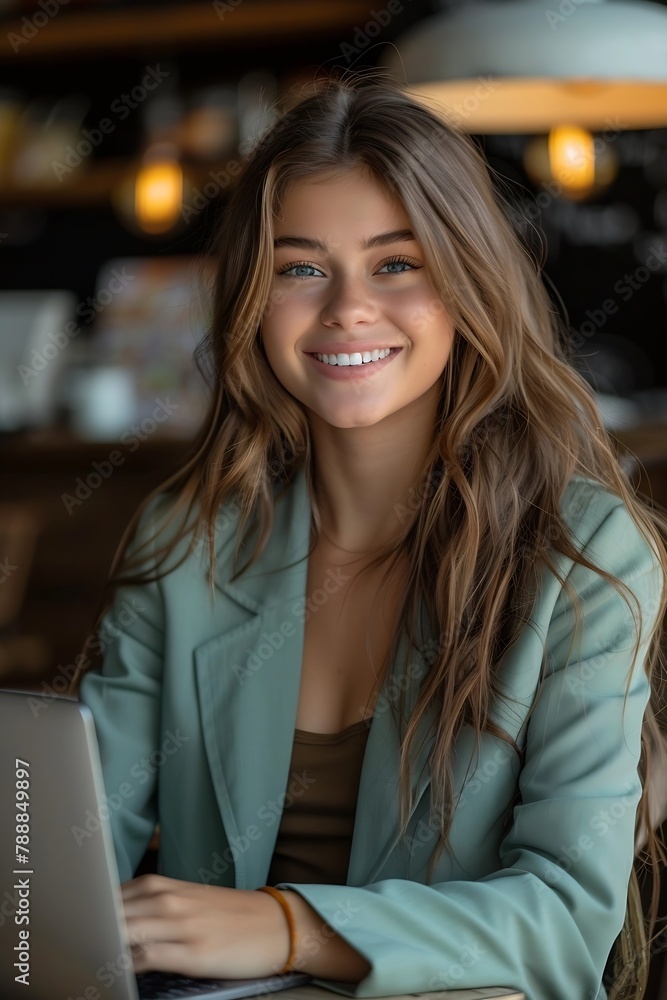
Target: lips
column 360, row 357
column 344, row 372
column 360, row 348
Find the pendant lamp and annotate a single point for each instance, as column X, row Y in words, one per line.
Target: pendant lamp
column 524, row 66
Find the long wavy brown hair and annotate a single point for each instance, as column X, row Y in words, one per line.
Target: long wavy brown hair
column 516, row 422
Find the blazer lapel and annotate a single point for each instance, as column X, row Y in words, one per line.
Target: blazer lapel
column 248, row 692
column 248, row 681
column 376, row 823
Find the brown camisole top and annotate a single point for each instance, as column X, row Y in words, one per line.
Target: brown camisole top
column 315, row 832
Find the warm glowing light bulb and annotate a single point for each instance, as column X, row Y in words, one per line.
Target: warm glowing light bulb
column 572, row 157
column 158, row 195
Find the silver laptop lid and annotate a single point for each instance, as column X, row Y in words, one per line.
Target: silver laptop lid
column 61, row 916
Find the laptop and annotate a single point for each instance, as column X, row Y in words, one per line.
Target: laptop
column 62, row 928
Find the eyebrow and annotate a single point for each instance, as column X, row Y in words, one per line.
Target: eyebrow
column 379, row 240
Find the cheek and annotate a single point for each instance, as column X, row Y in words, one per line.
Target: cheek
column 282, row 321
column 421, row 312
column 280, row 331
column 274, row 334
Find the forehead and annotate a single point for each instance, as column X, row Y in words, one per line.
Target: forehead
column 338, row 200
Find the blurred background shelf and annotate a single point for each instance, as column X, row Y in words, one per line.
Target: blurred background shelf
column 178, row 26
column 93, row 186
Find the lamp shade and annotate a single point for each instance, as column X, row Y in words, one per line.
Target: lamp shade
column 521, row 66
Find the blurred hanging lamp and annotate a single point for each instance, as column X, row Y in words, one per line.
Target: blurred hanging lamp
column 579, row 163
column 150, row 196
column 158, row 189
column 561, row 67
column 525, row 66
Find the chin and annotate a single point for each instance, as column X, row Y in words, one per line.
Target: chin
column 347, row 421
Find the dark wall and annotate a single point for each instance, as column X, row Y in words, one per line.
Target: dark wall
column 605, row 256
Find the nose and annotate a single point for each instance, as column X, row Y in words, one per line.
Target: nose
column 349, row 302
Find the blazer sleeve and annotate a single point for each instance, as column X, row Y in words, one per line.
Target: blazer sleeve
column 546, row 920
column 124, row 698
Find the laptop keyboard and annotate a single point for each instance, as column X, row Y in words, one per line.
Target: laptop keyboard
column 166, row 985
column 159, row 985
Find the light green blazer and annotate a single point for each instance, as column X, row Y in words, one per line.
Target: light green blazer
column 195, row 709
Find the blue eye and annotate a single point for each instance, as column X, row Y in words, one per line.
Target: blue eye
column 290, row 267
column 400, row 260
column 394, row 260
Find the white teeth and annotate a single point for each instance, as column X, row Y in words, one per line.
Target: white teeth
column 354, row 359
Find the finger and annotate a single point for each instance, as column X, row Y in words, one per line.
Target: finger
column 156, row 930
column 146, row 885
column 160, row 904
column 162, row 956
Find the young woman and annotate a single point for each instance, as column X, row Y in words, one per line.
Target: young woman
column 388, row 641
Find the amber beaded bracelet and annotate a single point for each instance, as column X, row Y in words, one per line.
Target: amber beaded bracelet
column 277, row 894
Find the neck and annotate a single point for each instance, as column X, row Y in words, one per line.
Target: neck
column 365, row 478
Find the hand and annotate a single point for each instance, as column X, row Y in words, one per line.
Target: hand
column 206, row 931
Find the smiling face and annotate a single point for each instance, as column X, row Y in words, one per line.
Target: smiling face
column 332, row 295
